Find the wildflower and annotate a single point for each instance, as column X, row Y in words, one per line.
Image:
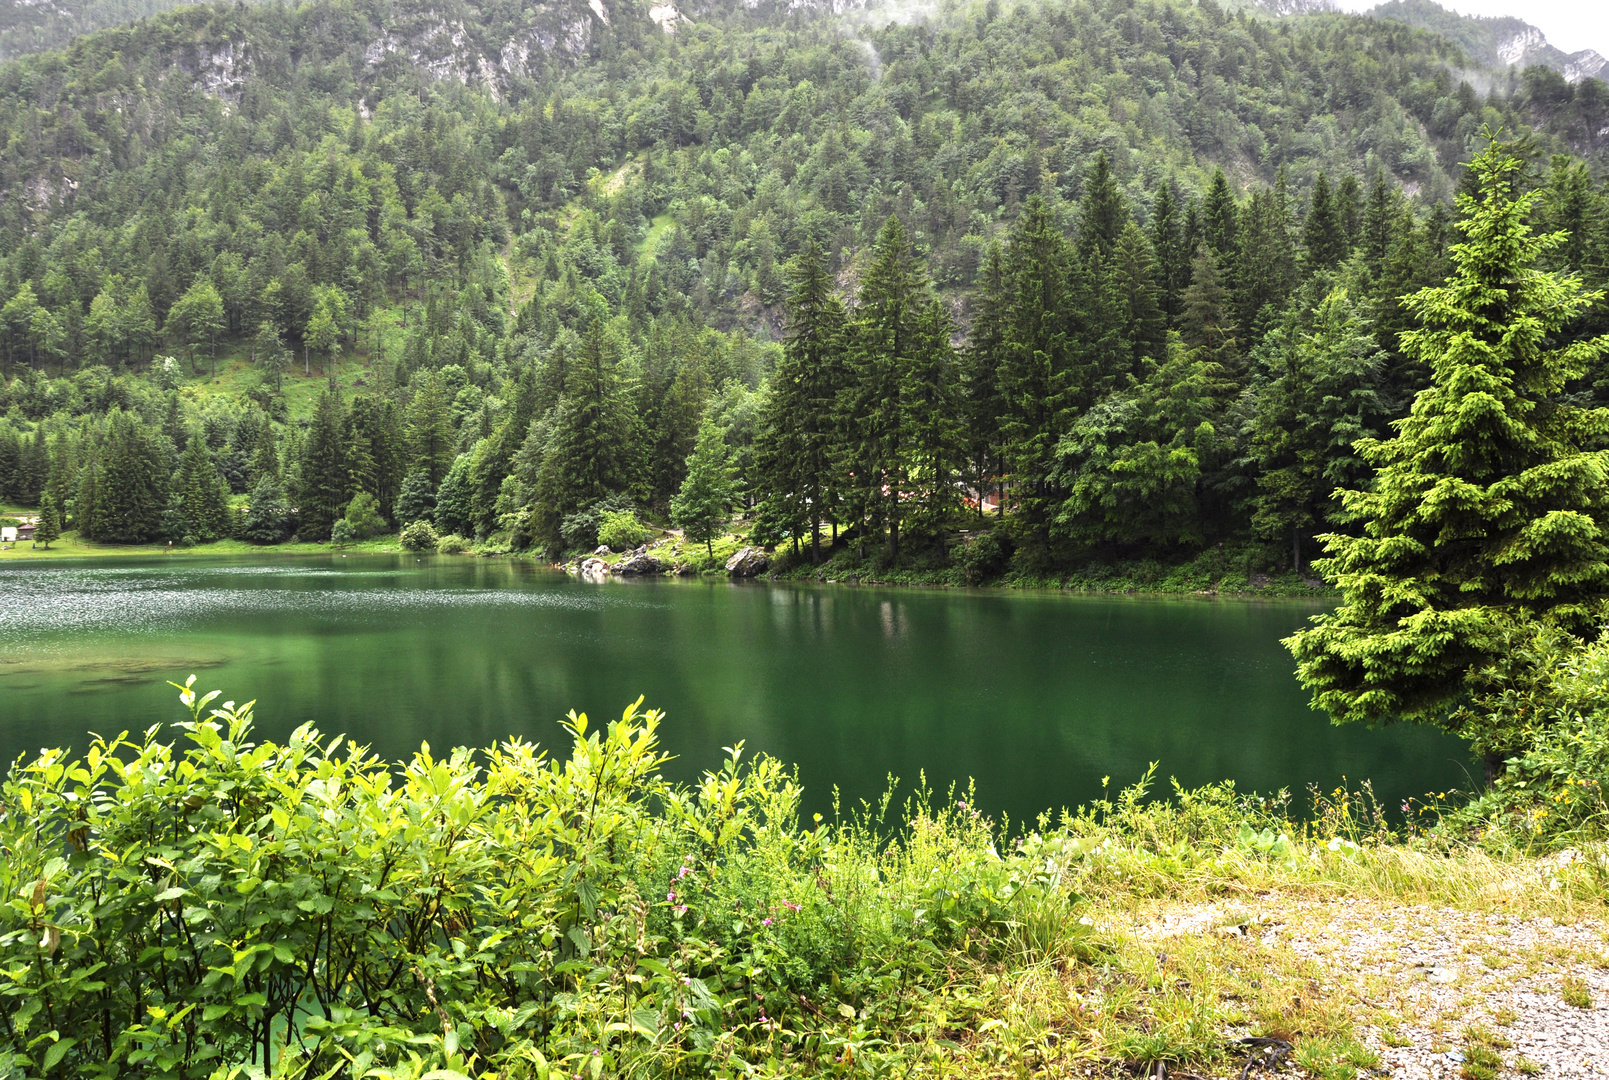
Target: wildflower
column 680, row 909
column 670, row 897
column 765, row 922
column 792, row 906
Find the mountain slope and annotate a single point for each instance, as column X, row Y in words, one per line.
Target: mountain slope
column 1494, row 42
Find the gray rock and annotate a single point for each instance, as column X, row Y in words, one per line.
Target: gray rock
column 593, row 567
column 638, row 563
column 603, row 549
column 748, row 562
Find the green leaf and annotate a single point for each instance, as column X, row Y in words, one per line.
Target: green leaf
column 54, row 1055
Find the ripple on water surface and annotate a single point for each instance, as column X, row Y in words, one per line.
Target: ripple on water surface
column 50, row 600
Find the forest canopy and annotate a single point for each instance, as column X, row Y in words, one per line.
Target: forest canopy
column 1132, row 271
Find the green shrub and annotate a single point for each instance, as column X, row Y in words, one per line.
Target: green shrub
column 419, row 536
column 1549, row 700
column 985, row 556
column 452, row 544
column 342, row 532
column 363, row 515
column 305, row 907
column 619, row 530
column 580, row 529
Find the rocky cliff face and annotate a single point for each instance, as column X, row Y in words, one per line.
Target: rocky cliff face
column 1494, row 42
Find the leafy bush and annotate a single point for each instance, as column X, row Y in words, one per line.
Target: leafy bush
column 1551, row 701
column 985, row 556
column 420, row 536
column 363, row 514
column 452, row 544
column 343, row 532
column 307, row 908
column 580, row 529
column 620, row 531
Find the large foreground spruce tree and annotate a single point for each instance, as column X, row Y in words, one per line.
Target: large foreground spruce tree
column 1489, row 508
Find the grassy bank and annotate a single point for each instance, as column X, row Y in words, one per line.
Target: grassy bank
column 1206, row 575
column 222, row 907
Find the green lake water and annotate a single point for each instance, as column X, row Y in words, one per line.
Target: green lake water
column 1036, row 697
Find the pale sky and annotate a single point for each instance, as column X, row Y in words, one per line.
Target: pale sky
column 1570, row 25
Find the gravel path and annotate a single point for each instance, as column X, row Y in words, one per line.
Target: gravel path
column 1425, row 979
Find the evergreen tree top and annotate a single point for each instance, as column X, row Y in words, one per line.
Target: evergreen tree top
column 1490, row 507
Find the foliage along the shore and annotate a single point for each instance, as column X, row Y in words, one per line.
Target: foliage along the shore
column 230, row 907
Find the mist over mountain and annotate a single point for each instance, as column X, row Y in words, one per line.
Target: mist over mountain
column 1494, row 42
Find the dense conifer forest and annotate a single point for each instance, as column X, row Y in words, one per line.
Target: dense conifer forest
column 1130, row 270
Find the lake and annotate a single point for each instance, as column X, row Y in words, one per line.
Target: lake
column 1036, row 697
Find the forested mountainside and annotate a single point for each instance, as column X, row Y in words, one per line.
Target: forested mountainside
column 532, row 250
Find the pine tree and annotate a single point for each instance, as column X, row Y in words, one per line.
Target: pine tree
column 325, row 481
column 931, row 440
column 1041, row 376
column 592, row 448
column 1488, row 509
column 49, row 527
column 1323, row 236
column 1220, row 219
column 131, row 486
column 1207, row 323
column 265, row 455
column 981, row 402
column 199, row 504
column 1102, row 212
column 1172, row 256
column 800, row 431
column 1319, row 394
column 704, row 502
column 882, row 335
column 431, row 438
column 455, row 499
column 1380, row 216
column 268, row 517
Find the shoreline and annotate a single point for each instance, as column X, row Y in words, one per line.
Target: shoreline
column 1283, row 587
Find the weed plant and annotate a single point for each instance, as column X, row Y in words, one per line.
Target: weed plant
column 227, row 907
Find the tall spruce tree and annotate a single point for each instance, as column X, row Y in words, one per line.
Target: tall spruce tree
column 800, row 429
column 1488, row 508
column 1323, row 235
column 592, row 448
column 1318, row 393
column 325, row 482
column 1168, row 243
column 199, row 504
column 1041, row 377
column 130, row 486
column 49, row 527
column 982, row 403
column 882, row 338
